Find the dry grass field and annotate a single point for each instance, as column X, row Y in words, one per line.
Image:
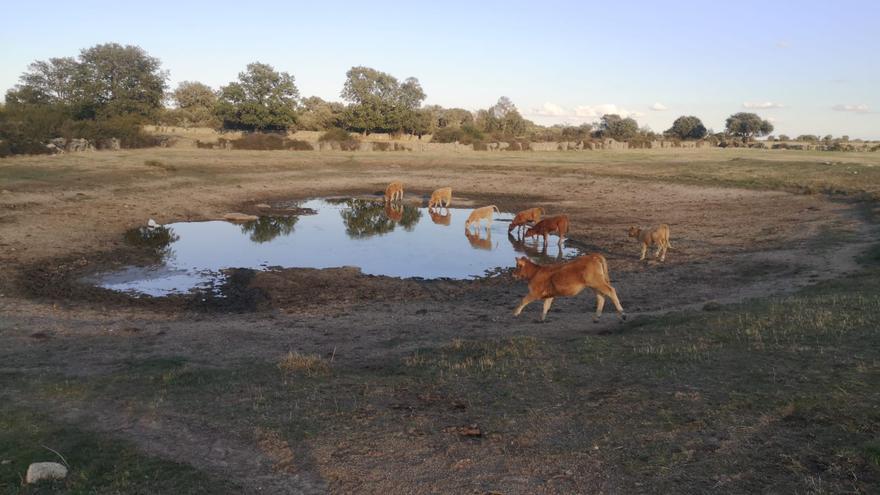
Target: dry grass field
column 750, row 362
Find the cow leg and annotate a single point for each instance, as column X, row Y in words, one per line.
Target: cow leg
column 644, row 252
column 600, row 304
column 609, row 291
column 547, row 303
column 525, row 301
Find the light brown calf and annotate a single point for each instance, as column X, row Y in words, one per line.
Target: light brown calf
column 394, row 191
column 567, row 279
column 478, row 215
column 440, row 197
column 648, row 238
column 523, row 218
column 550, row 225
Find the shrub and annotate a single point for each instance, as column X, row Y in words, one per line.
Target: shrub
column 466, row 134
column 268, row 141
column 346, row 141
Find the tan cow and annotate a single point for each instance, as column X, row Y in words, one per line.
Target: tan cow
column 394, row 191
column 478, row 215
column 550, row 225
column 567, row 279
column 523, row 218
column 441, row 197
column 648, row 238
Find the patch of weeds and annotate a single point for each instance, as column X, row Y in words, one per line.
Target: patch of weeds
column 476, row 356
column 871, row 451
column 97, row 463
column 160, row 165
column 308, row 364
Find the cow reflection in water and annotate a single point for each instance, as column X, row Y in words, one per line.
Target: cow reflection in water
column 394, row 212
column 535, row 250
column 479, row 242
column 365, row 218
column 440, row 218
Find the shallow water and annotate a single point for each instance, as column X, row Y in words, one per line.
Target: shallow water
column 405, row 241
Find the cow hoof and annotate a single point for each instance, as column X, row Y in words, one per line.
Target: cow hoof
column 595, row 320
column 622, row 318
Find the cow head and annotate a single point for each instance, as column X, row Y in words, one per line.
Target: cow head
column 634, row 231
column 522, row 264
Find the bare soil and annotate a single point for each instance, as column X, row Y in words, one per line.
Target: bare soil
column 67, row 218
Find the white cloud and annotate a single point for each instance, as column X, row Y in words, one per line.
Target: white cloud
column 851, row 108
column 550, row 110
column 581, row 113
column 762, row 105
column 597, row 111
column 659, row 107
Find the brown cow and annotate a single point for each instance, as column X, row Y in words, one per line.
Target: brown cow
column 478, row 215
column 650, row 237
column 550, row 225
column 567, row 279
column 523, row 218
column 394, row 191
column 440, row 197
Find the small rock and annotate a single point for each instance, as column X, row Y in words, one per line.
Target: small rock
column 151, row 224
column 240, row 217
column 6, row 191
column 262, row 206
column 5, row 462
column 42, row 471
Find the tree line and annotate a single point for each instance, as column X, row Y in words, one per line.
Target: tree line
column 111, row 90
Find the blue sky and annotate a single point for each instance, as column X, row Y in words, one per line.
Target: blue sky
column 810, row 67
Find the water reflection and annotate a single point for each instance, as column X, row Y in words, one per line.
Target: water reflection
column 157, row 239
column 267, row 228
column 439, row 217
column 534, row 250
column 478, row 241
column 350, row 232
column 366, row 218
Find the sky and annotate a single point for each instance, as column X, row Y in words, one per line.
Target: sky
column 809, row 67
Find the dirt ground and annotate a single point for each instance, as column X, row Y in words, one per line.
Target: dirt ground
column 63, row 217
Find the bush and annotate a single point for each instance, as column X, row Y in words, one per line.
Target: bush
column 466, row 134
column 346, row 141
column 336, row 134
column 263, row 142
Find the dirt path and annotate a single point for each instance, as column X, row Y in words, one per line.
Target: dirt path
column 729, row 245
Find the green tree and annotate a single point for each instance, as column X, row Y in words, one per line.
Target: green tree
column 747, row 126
column 319, row 115
column 195, row 103
column 687, row 127
column 502, row 120
column 453, row 117
column 120, row 80
column 262, row 100
column 618, row 128
column 378, row 102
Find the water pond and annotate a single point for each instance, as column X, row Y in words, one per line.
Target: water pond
column 403, row 241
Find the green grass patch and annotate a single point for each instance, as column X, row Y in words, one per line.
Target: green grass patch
column 97, row 463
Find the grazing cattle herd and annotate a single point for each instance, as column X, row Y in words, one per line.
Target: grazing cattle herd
column 546, row 282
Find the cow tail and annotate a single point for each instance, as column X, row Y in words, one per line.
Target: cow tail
column 496, row 209
column 604, row 264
